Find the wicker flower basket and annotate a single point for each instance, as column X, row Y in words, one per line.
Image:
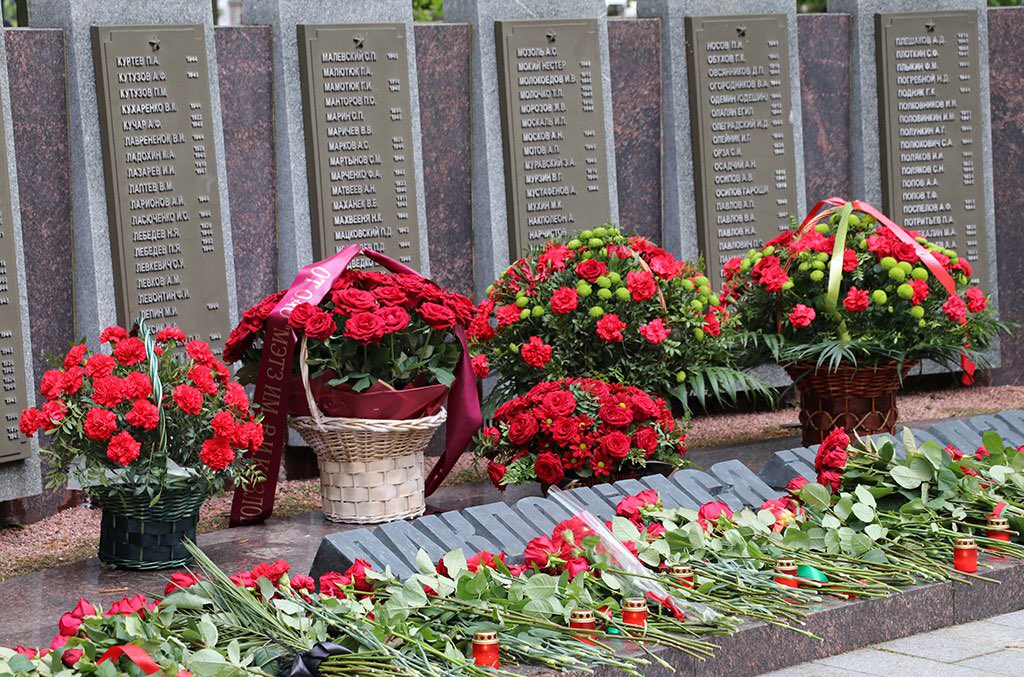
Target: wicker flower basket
column 137, row 535
column 371, row 470
column 860, row 398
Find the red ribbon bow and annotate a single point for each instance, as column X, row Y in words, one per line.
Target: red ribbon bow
column 136, row 654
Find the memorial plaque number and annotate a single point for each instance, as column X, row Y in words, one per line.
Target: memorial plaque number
column 359, row 141
column 740, row 110
column 552, row 114
column 163, row 197
column 929, row 82
column 12, row 352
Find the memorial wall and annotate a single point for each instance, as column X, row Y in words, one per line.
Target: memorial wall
column 63, row 166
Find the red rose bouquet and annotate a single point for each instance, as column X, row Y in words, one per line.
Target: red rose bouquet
column 579, row 427
column 606, row 306
column 846, row 286
column 372, row 334
column 155, row 413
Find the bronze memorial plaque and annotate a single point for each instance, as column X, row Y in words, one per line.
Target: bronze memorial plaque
column 12, row 348
column 163, row 198
column 740, row 115
column 552, row 114
column 359, row 142
column 932, row 149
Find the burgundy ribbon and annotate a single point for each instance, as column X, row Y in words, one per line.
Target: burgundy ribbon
column 256, row 503
column 930, row 262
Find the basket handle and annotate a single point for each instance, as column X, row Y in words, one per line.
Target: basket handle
column 314, row 411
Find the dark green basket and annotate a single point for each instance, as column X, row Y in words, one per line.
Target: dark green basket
column 137, row 535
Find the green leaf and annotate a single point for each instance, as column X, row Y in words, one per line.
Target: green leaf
column 207, row 662
column 540, row 586
column 865, row 513
column 875, row 531
column 815, row 495
column 624, row 530
column 843, row 507
column 992, row 441
column 864, row 495
column 234, row 653
column 905, row 477
column 424, row 563
column 797, row 538
column 922, row 468
column 455, row 562
column 831, row 522
column 909, row 445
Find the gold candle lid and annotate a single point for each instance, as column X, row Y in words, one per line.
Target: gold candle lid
column 485, row 637
column 785, row 564
column 998, row 523
column 634, row 604
column 581, row 616
column 681, row 570
column 964, row 543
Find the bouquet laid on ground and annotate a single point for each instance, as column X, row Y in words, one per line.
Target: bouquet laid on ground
column 588, row 593
column 606, row 306
column 149, row 431
column 847, row 286
column 156, row 413
column 373, row 334
column 578, row 428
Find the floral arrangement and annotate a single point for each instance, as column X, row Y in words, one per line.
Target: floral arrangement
column 606, row 306
column 889, row 524
column 583, row 427
column 157, row 412
column 372, row 331
column 847, row 286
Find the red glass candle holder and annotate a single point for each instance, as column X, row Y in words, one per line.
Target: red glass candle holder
column 634, row 611
column 682, row 574
column 965, row 555
column 998, row 528
column 787, row 568
column 485, row 649
column 583, row 619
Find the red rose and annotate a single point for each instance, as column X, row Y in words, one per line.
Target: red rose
column 646, row 439
column 496, row 472
column 480, row 366
column 558, row 404
column 535, row 352
column 332, row 584
column 522, row 428
column 366, row 328
column 856, row 300
column 575, row 566
column 351, row 301
column 549, row 468
column 641, row 285
column 801, row 316
column 171, row 334
column 565, row 431
column 188, row 399
column 976, row 301
column 564, row 300
column 981, row 452
column 137, row 385
column 539, row 551
column 437, row 316
column 481, row 560
column 460, row 305
column 714, row 510
column 832, row 479
column 954, row 453
column 217, row 453
column 609, row 328
column 320, row 325
column 68, row 625
column 390, row 295
column 99, row 364
column 645, row 405
column 615, row 415
column 300, row 315
column 904, row 251
column 395, row 319
column 179, row 581
column 631, row 506
column 591, row 269
column 108, row 391
column 144, row 414
column 130, row 351
column 795, row 485
column 122, row 448
column 358, row 574
column 616, row 444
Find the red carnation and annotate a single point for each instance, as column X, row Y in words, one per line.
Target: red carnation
column 849, row 260
column 200, row 352
column 53, row 413
column 366, row 328
column 130, row 351
column 171, row 334
column 508, row 314
column 74, row 356
column 920, row 291
column 188, row 399
column 641, row 285
column 564, row 300
column 535, row 352
column 801, row 316
column 52, row 384
column 217, row 453
column 333, row 584
column 856, row 300
column 224, row 425
column 437, row 316
column 112, row 334
column 955, row 309
column 976, row 301
column 666, row 266
column 100, row 424
column 108, row 391
column 609, row 328
column 480, row 366
column 122, row 448
column 137, row 385
column 655, row 331
column 31, row 421
column 319, row 326
column 99, row 364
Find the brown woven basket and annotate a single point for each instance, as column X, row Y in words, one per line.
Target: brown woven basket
column 860, row 398
column 371, row 470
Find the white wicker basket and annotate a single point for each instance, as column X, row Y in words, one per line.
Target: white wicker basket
column 371, row 470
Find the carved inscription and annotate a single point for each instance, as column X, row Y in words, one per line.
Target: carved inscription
column 12, row 352
column 740, row 110
column 929, row 82
column 359, row 144
column 556, row 167
column 163, row 197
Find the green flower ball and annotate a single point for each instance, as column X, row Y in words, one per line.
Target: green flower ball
column 622, row 294
column 804, row 267
column 821, row 228
column 787, row 285
column 604, row 282
column 888, row 263
column 769, row 250
column 907, row 268
column 745, row 265
column 525, row 313
column 702, row 281
column 604, row 294
column 917, row 312
column 595, row 242
column 905, row 291
column 575, row 244
column 897, row 274
column 714, row 300
column 879, row 297
column 600, row 231
column 522, row 301
column 698, row 334
column 817, row 275
column 696, row 304
column 514, row 347
column 922, row 324
column 688, row 285
column 919, row 273
column 680, row 376
column 583, row 288
column 596, row 311
column 615, row 278
column 586, row 234
column 537, row 311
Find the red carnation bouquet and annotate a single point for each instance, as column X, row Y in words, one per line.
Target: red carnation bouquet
column 373, row 334
column 578, row 428
column 157, row 412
